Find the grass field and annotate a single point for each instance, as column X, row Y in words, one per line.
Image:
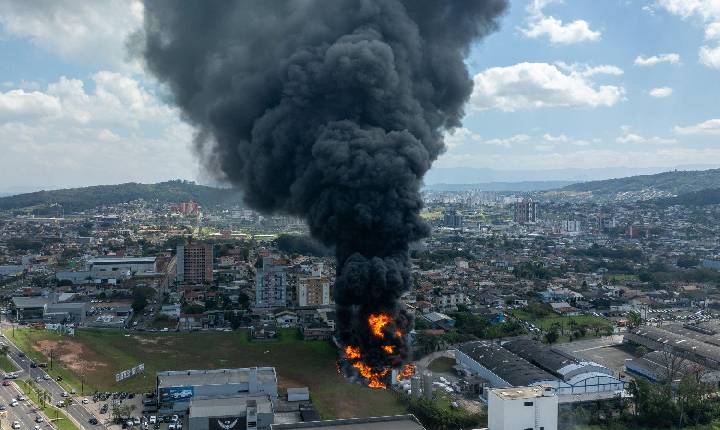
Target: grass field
column 547, row 322
column 99, row 354
column 60, row 420
column 6, row 365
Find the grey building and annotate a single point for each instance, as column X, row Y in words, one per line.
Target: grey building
column 42, row 309
column 397, row 422
column 246, row 413
column 178, row 390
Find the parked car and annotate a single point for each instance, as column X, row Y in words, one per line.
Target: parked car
column 153, row 419
column 94, row 421
column 16, row 424
column 65, row 394
column 39, row 419
column 6, row 383
column 21, row 398
column 14, row 403
column 85, row 401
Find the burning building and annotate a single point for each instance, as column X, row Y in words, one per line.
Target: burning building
column 332, row 111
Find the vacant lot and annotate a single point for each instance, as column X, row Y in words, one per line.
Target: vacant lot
column 99, row 354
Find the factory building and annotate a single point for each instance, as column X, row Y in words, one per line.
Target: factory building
column 114, row 264
column 524, row 362
column 42, row 309
column 658, row 366
column 220, row 399
column 691, row 348
column 522, row 408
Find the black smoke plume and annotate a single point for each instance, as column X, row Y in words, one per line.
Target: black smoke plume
column 332, row 110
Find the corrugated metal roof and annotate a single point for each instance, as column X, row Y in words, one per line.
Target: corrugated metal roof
column 506, row 365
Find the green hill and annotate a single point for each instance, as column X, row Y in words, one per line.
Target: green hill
column 710, row 196
column 675, row 183
column 80, row 199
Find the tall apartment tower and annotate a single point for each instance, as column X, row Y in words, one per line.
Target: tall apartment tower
column 270, row 284
column 526, row 211
column 195, row 263
column 314, row 291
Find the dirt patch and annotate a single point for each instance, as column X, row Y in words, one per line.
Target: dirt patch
column 70, row 354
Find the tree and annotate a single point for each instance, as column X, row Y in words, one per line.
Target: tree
column 634, row 318
column 552, row 335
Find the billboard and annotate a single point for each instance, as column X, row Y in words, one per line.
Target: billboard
column 175, row 394
column 140, row 368
column 226, row 423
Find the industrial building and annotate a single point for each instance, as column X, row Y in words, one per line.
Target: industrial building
column 658, row 366
column 525, row 362
column 398, row 422
column 692, row 348
column 47, row 309
column 136, row 265
column 522, row 408
column 219, row 399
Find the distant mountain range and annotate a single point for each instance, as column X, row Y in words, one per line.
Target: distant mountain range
column 675, row 183
column 80, row 199
column 524, row 186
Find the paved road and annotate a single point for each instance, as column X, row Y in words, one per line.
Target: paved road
column 76, row 410
column 25, row 412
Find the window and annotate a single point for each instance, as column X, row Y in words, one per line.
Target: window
column 528, row 403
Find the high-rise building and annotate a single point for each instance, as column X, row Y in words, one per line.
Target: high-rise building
column 526, row 211
column 271, row 284
column 195, row 263
column 314, row 291
column 452, row 219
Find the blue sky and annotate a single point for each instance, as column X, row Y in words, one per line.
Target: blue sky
column 573, row 84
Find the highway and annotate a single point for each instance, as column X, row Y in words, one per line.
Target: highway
column 76, row 410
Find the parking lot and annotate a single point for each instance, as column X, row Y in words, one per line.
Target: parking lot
column 608, row 351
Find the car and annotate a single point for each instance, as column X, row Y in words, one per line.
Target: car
column 37, row 427
column 16, row 424
column 85, row 401
column 39, row 419
column 21, row 354
column 174, row 418
column 21, row 398
column 172, row 426
column 14, row 403
column 47, row 377
column 65, row 394
column 156, row 426
column 2, row 407
column 60, row 404
column 33, row 364
column 167, row 418
column 129, row 423
column 136, row 421
column 94, row 421
column 38, row 379
column 104, row 409
column 6, row 383
column 72, row 391
column 153, row 419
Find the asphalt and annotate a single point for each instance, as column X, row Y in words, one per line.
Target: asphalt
column 76, row 410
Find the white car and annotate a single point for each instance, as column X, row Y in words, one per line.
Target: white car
column 14, row 403
column 153, row 419
column 47, row 377
column 16, row 424
column 85, row 401
column 21, row 398
column 39, row 419
column 65, row 394
column 172, row 426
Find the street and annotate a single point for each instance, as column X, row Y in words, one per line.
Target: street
column 76, row 410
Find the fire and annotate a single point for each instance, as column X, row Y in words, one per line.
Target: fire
column 377, row 323
column 352, row 352
column 407, row 371
column 389, row 349
column 374, row 378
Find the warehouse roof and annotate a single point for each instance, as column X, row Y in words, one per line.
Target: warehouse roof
column 176, row 378
column 29, row 302
column 125, row 260
column 679, row 342
column 398, row 422
column 228, row 407
column 539, row 354
column 509, row 367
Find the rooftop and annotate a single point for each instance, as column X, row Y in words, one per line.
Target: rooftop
column 398, row 422
column 227, row 407
column 509, row 367
column 516, row 393
column 176, row 378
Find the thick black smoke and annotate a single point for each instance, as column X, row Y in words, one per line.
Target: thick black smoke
column 332, row 110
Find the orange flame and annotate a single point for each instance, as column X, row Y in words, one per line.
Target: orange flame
column 406, row 372
column 352, row 352
column 373, row 377
column 377, row 323
column 389, row 349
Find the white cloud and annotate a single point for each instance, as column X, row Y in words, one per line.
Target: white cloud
column 661, row 92
column 565, row 139
column 709, row 127
column 508, row 141
column 461, row 136
column 540, row 85
column 541, row 25
column 707, row 11
column 657, row 59
column 21, row 105
column 632, row 138
column 65, row 134
column 87, row 32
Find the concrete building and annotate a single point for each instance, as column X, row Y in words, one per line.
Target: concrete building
column 206, row 396
column 194, row 263
column 523, row 408
column 314, row 291
column 136, row 265
column 526, row 211
column 452, row 219
column 43, row 309
column 398, row 422
column 271, row 283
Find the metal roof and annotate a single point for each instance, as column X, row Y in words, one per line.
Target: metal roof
column 177, row 378
column 509, row 367
column 539, row 355
column 398, row 422
column 679, row 342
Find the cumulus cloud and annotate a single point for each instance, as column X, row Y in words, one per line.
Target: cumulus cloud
column 66, row 134
column 87, row 32
column 709, row 127
column 565, row 139
column 708, row 12
column 654, row 60
column 628, row 137
column 661, row 92
column 541, row 25
column 541, row 85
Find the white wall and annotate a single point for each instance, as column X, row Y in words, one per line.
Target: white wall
column 514, row 414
